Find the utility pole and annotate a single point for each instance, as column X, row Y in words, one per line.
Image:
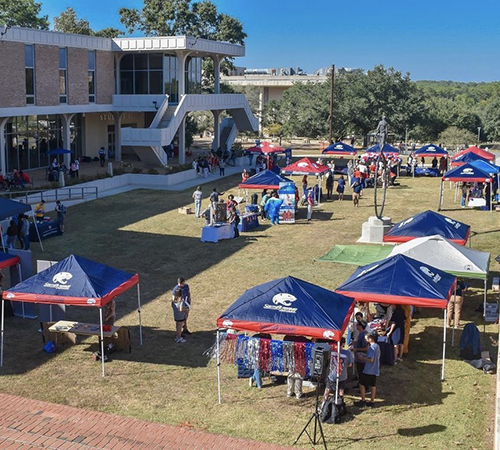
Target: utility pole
column 332, row 80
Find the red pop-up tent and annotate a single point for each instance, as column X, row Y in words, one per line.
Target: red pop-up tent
column 478, row 151
column 74, row 281
column 305, row 166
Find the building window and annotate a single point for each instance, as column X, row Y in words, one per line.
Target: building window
column 29, row 63
column 193, row 76
column 141, row 74
column 170, row 76
column 63, row 75
column 92, row 76
column 29, row 139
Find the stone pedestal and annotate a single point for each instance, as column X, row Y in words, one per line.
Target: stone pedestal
column 373, row 231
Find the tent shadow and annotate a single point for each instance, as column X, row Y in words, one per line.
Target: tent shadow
column 159, row 347
column 421, row 431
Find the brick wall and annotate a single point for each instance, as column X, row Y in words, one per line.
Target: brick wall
column 105, row 76
column 12, row 76
column 47, row 75
column 78, row 66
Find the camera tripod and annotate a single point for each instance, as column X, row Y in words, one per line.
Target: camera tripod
column 314, row 438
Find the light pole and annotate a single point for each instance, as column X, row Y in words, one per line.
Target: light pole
column 478, row 134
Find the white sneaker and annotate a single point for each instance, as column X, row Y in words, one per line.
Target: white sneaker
column 180, row 340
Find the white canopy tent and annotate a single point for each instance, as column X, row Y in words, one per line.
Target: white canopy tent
column 449, row 257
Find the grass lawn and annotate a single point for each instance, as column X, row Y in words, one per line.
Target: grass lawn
column 142, row 232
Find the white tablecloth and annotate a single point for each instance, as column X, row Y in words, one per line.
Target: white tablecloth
column 216, row 233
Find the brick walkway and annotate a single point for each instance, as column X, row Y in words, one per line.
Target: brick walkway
column 32, row 424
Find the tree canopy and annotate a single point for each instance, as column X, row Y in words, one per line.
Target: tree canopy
column 68, row 22
column 183, row 17
column 22, row 13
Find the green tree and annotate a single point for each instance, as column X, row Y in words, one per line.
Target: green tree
column 491, row 119
column 68, row 22
column 454, row 137
column 183, row 17
column 22, row 13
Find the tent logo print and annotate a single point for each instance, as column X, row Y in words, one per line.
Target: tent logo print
column 302, row 164
column 406, row 222
column 328, row 334
column 60, row 281
column 452, row 222
column 284, row 299
column 227, row 324
column 435, row 277
column 467, row 171
column 282, row 302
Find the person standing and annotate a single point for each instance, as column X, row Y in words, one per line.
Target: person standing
column 346, row 361
column 222, row 167
column 329, row 184
column 356, row 190
column 397, row 332
column 234, row 220
column 368, row 379
column 23, row 227
column 310, row 205
column 341, row 187
column 214, row 197
column 12, row 233
column 40, row 211
column 102, row 156
column 61, row 214
column 185, row 294
column 77, row 167
column 304, row 185
column 179, row 315
column 455, row 304
column 198, row 197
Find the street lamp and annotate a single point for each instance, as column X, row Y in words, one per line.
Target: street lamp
column 478, row 134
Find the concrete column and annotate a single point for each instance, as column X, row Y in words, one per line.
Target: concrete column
column 182, row 141
column 67, row 137
column 118, row 135
column 118, row 59
column 3, row 156
column 261, row 108
column 216, row 141
column 181, row 73
column 216, row 74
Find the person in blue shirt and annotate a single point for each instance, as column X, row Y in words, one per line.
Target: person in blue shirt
column 341, row 187
column 356, row 190
column 181, row 290
column 360, row 346
column 368, row 379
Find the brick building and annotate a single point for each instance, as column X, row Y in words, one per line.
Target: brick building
column 128, row 95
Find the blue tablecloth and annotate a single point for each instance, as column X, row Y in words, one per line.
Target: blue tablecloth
column 426, row 172
column 217, row 232
column 47, row 229
column 248, row 221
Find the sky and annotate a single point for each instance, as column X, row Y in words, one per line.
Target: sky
column 455, row 40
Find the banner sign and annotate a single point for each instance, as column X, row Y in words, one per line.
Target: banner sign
column 287, row 210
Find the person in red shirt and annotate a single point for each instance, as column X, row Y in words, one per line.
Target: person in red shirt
column 245, row 176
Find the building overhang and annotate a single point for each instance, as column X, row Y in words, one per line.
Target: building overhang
column 139, row 44
column 176, row 43
column 272, row 81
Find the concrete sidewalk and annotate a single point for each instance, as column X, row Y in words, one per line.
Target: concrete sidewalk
column 32, row 424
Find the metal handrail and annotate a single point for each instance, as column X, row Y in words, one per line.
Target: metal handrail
column 52, row 195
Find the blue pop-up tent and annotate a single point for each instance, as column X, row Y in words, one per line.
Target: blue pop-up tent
column 428, row 223
column 430, row 150
column 266, row 179
column 388, row 149
column 290, row 306
column 466, row 173
column 400, row 280
column 74, row 281
column 405, row 281
column 339, row 149
column 467, row 158
column 12, row 208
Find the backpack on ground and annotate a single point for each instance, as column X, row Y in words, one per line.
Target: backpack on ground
column 331, row 412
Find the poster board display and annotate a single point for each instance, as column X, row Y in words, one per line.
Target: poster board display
column 287, row 210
